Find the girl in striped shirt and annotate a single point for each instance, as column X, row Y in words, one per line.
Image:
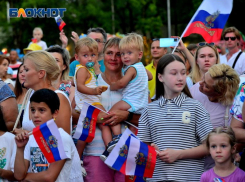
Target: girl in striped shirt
column 175, row 124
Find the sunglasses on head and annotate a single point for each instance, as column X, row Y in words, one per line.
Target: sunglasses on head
column 205, row 43
column 227, row 38
column 155, row 39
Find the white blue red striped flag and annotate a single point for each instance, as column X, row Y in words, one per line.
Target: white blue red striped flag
column 132, row 157
column 86, row 125
column 49, row 141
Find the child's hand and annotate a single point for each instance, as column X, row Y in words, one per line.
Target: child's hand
column 22, row 139
column 156, row 148
column 99, row 90
column 169, row 155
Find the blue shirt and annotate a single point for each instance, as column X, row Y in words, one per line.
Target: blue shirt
column 75, row 63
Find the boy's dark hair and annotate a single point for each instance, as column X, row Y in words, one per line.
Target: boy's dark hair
column 47, row 96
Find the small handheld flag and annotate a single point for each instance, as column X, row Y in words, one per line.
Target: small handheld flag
column 60, row 22
column 132, row 157
column 210, row 19
column 49, row 141
column 86, row 125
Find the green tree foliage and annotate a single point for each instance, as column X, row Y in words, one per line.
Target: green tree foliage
column 148, row 17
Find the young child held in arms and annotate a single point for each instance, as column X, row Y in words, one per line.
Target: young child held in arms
column 7, row 152
column 37, row 36
column 44, row 106
column 86, row 89
column 134, row 81
column 221, row 145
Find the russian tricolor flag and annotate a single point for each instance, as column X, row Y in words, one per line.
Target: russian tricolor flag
column 60, row 22
column 132, row 157
column 210, row 19
column 86, row 125
column 49, row 141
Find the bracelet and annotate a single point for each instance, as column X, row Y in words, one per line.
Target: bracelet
column 130, row 116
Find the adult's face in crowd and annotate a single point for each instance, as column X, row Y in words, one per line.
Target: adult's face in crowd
column 21, row 75
column 112, row 59
column 3, row 67
column 230, row 44
column 31, row 75
column 206, row 58
column 59, row 60
column 207, row 86
column 156, row 51
column 13, row 56
column 98, row 37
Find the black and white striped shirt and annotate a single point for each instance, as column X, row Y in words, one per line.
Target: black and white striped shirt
column 179, row 123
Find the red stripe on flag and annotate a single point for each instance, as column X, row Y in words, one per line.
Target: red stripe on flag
column 43, row 144
column 151, row 162
column 123, row 168
column 209, row 34
column 92, row 127
column 62, row 24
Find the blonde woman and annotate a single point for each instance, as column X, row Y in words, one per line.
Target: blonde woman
column 216, row 92
column 206, row 56
column 40, row 71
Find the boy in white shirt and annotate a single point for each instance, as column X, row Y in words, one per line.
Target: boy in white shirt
column 44, row 106
column 38, row 35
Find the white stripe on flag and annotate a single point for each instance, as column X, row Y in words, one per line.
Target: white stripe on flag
column 133, row 151
column 115, row 152
column 211, row 6
column 79, row 128
column 55, row 132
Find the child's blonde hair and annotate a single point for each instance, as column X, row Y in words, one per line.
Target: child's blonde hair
column 132, row 40
column 227, row 130
column 38, row 29
column 90, row 43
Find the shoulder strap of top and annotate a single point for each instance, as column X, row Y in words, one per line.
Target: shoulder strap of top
column 237, row 57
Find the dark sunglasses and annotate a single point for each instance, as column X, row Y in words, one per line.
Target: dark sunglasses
column 205, row 43
column 232, row 38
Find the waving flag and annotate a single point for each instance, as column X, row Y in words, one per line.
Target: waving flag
column 60, row 22
column 132, row 157
column 86, row 125
column 49, row 141
column 210, row 19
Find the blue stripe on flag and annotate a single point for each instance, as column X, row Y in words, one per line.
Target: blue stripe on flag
column 141, row 160
column 219, row 22
column 122, row 157
column 85, row 131
column 48, row 136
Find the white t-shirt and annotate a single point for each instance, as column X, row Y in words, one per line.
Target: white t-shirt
column 240, row 64
column 7, row 152
column 71, row 170
column 41, row 43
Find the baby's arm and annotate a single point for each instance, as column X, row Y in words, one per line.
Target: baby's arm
column 21, row 165
column 123, row 82
column 150, row 77
column 81, row 76
column 50, row 175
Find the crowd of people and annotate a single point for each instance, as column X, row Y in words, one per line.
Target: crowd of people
column 188, row 105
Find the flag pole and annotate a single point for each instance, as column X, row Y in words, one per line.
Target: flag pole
column 186, row 28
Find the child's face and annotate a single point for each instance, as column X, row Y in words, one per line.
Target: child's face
column 85, row 55
column 37, row 35
column 130, row 56
column 41, row 113
column 220, row 148
column 173, row 79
